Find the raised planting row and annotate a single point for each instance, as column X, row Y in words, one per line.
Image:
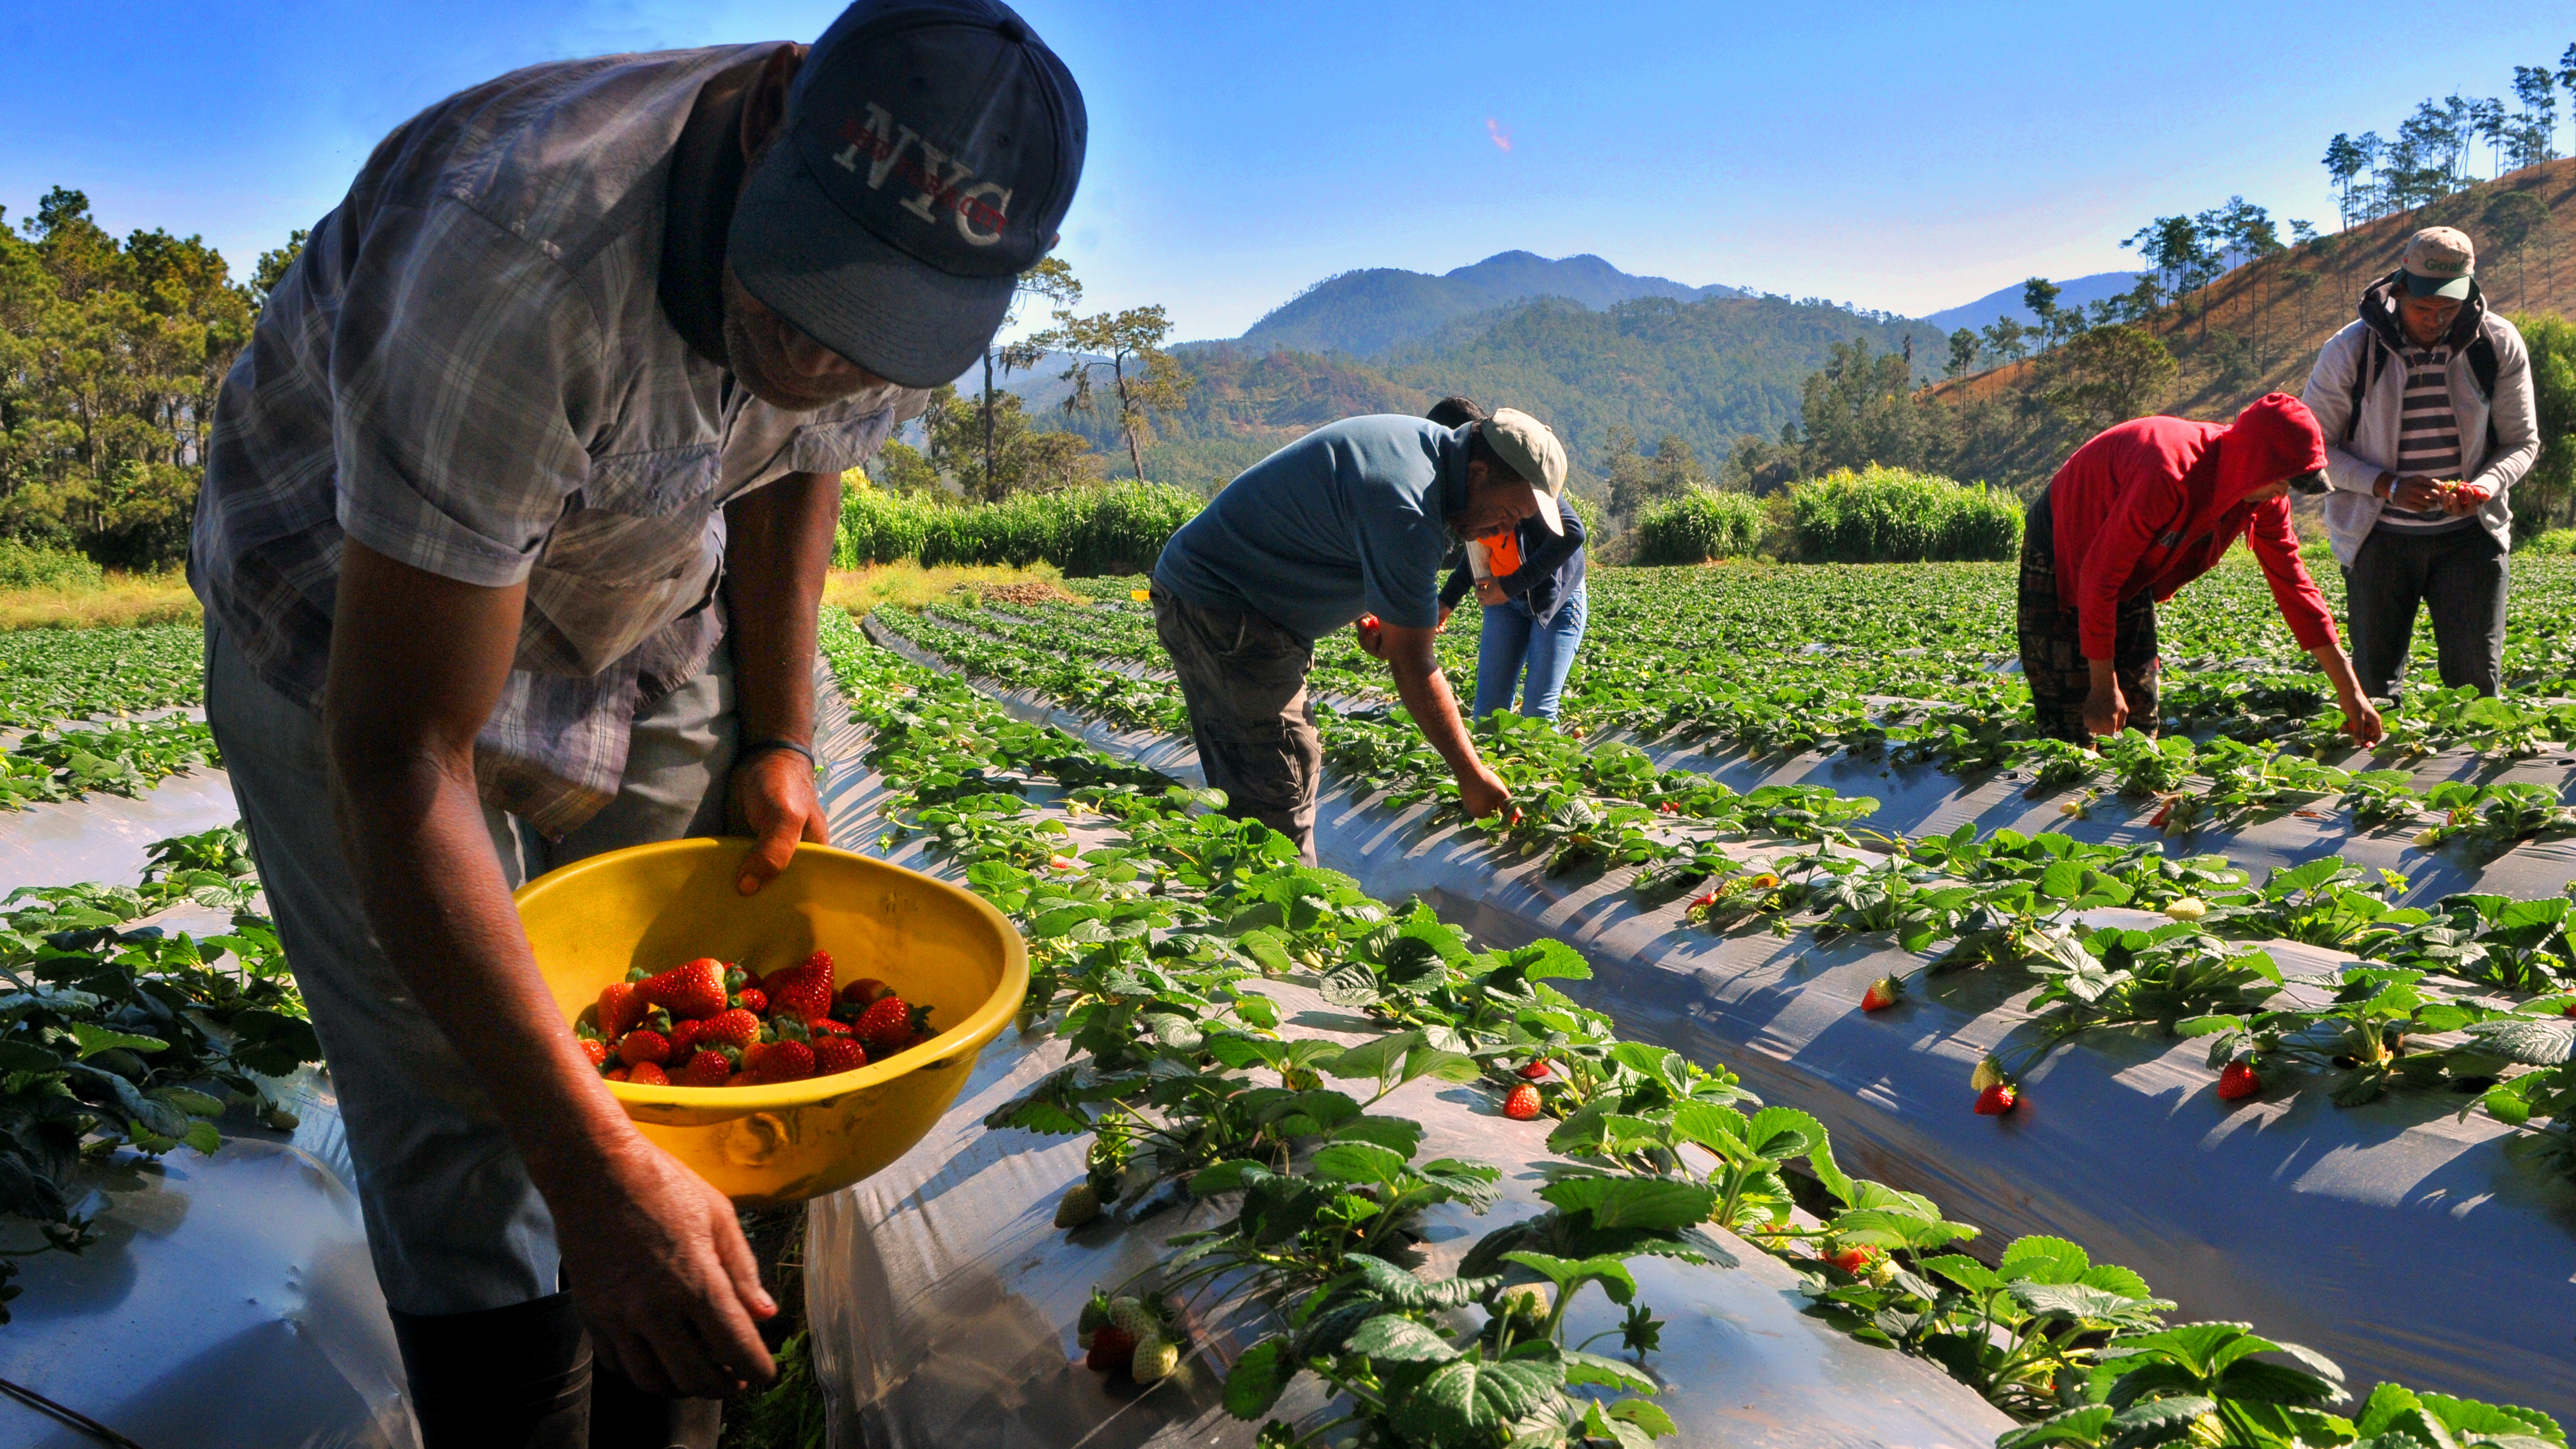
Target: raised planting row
column 1155, row 953
column 2015, row 940
column 116, row 1039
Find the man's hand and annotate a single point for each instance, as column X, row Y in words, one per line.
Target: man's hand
column 773, row 797
column 1482, row 791
column 2416, row 495
column 661, row 1273
column 2106, row 710
column 1372, row 635
column 2361, row 721
column 2360, row 717
column 1490, row 594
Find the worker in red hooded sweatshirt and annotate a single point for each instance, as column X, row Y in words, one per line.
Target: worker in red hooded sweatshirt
column 2140, row 511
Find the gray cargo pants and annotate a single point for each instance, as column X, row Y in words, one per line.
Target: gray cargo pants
column 1244, row 679
column 452, row 1220
column 2461, row 573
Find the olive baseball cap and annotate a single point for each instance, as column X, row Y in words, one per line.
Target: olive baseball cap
column 2440, row 262
column 930, row 151
column 1529, row 448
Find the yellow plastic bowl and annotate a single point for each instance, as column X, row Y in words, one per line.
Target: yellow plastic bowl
column 659, row 906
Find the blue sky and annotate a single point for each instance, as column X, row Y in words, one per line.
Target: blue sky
column 1908, row 157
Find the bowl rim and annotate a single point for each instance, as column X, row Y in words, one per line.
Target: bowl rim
column 968, row 1037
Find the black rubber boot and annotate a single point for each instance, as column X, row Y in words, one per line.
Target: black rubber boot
column 623, row 1416
column 504, row 1378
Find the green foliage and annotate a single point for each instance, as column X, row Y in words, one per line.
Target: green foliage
column 1113, row 528
column 1701, row 524
column 1889, row 515
column 64, row 674
column 32, row 566
column 2547, row 492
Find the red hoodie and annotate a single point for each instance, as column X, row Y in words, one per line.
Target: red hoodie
column 2150, row 505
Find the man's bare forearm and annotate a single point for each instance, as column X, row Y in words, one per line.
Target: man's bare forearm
column 404, row 702
column 1427, row 696
column 778, row 551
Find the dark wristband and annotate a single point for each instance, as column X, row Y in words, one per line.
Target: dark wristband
column 759, row 747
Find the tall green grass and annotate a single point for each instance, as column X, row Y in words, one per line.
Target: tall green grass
column 1116, row 528
column 1891, row 515
column 1697, row 526
column 30, row 566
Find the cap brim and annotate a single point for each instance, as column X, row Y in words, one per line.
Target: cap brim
column 1550, row 514
column 803, row 257
column 2456, row 289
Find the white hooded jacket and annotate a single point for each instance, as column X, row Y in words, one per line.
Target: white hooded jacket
column 2359, row 448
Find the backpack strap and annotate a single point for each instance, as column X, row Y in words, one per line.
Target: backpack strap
column 2482, row 367
column 2365, row 374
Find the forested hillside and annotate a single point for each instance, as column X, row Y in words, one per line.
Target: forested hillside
column 1365, row 313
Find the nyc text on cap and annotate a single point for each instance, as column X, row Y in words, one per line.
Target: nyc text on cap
column 930, row 152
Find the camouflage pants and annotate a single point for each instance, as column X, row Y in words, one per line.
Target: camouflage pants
column 2052, row 654
column 1244, row 680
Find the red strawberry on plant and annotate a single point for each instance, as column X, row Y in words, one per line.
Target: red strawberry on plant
column 1111, row 1348
column 2570, row 1008
column 620, row 1007
column 753, row 1000
column 1998, row 1099
column 648, row 1074
column 886, row 1027
column 706, row 1069
column 781, row 1061
column 1881, row 994
column 1522, row 1103
column 694, row 990
column 638, row 1047
column 1535, row 1072
column 838, row 1054
column 1853, row 1260
column 2237, row 1081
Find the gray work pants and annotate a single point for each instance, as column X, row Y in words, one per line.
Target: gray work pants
column 452, row 1220
column 2461, row 574
column 1244, row 680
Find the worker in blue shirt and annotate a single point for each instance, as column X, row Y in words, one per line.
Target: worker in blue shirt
column 1352, row 522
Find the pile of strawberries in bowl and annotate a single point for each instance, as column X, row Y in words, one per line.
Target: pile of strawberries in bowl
column 710, row 1024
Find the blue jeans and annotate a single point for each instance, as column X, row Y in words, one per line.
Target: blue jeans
column 1513, row 639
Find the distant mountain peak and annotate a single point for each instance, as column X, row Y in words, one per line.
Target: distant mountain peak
column 1370, row 312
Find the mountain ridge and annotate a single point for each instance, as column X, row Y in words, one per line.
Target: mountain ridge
column 1373, row 310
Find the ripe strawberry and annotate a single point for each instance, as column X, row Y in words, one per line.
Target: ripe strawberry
column 820, row 964
column 684, row 1038
column 837, row 1054
column 803, row 993
column 753, row 1000
column 1111, row 1348
column 1535, row 1072
column 706, row 1069
column 1996, row 1100
column 2237, row 1081
column 1881, row 994
column 1522, row 1104
column 1854, row 1261
column 864, row 991
column 620, row 1007
column 648, row 1074
column 595, row 1049
column 736, row 1028
column 829, row 1026
column 920, row 1038
column 780, row 1061
column 695, row 990
column 2570, row 1008
column 885, row 1027
column 616, row 1074
column 638, row 1047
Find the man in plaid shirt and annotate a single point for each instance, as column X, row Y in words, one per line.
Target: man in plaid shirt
column 511, row 542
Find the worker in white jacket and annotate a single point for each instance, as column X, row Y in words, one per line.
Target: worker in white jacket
column 2425, row 402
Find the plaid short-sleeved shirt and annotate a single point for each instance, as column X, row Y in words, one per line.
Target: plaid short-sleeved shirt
column 469, row 370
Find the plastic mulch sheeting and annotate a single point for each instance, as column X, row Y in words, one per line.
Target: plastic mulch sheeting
column 103, row 837
column 942, row 1299
column 2395, row 1239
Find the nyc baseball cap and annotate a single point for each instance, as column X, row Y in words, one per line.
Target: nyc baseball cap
column 2440, row 262
column 1528, row 448
column 931, row 149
